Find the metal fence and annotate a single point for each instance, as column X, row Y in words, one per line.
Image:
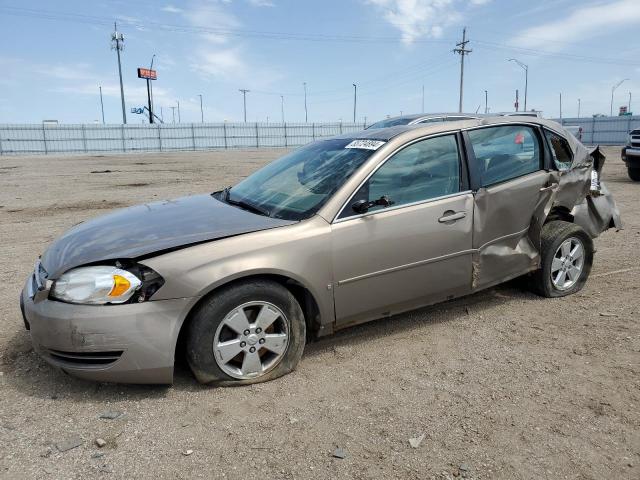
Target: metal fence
column 96, row 138
column 604, row 130
column 92, row 138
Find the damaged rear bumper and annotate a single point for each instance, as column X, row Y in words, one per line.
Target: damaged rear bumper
column 111, row 343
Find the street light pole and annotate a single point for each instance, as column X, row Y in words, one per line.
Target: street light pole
column 578, row 108
column 282, row 107
column 179, row 119
column 355, row 98
column 201, row 110
column 102, row 104
column 613, row 89
column 244, row 101
column 526, row 78
column 629, row 105
column 486, row 102
column 306, row 117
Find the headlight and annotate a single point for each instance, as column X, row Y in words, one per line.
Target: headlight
column 96, row 285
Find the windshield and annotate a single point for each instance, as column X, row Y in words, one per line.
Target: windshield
column 295, row 186
column 392, row 122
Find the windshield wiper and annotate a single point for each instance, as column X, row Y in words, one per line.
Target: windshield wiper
column 244, row 204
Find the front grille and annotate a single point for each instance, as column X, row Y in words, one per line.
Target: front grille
column 635, row 141
column 85, row 359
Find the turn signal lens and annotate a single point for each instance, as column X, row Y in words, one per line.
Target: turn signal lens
column 120, row 286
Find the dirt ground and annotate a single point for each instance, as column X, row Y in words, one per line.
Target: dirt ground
column 503, row 384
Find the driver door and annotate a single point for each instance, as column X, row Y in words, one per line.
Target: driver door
column 417, row 250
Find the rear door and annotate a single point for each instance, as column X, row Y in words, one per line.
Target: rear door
column 508, row 167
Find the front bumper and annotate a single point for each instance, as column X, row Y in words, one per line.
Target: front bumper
column 111, row 343
column 631, row 157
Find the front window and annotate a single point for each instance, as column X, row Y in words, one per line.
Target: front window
column 295, row 186
column 422, row 171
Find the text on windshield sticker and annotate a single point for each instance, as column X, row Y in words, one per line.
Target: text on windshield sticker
column 366, row 144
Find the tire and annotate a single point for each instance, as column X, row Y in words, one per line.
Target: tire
column 634, row 174
column 211, row 340
column 548, row 281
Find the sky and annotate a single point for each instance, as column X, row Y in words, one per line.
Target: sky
column 56, row 54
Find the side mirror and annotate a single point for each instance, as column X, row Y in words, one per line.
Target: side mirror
column 362, row 206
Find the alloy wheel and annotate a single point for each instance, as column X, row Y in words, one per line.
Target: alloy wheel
column 251, row 340
column 567, row 264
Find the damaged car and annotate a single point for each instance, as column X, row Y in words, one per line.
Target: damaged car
column 339, row 232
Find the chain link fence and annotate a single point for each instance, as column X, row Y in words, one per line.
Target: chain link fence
column 91, row 138
column 96, row 138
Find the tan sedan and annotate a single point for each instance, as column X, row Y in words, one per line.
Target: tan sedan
column 336, row 233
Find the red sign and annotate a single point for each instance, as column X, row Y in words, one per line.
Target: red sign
column 147, row 73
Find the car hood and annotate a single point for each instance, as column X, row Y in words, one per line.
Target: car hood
column 153, row 227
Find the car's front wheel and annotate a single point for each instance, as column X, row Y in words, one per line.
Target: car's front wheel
column 566, row 259
column 634, row 174
column 248, row 332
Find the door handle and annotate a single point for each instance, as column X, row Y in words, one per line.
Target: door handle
column 550, row 187
column 451, row 216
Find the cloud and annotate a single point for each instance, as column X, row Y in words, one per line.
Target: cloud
column 171, row 9
column 219, row 53
column 422, row 18
column 581, row 23
column 219, row 63
column 262, row 3
column 417, row 18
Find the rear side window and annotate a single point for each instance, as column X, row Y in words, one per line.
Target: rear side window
column 504, row 153
column 560, row 149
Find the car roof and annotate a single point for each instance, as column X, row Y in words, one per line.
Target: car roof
column 386, row 134
column 416, row 116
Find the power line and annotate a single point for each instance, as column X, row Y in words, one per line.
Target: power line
column 90, row 19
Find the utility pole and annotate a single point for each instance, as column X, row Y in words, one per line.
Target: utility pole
column 422, row 99
column 355, row 98
column 486, row 101
column 526, row 78
column 162, row 114
column 244, row 92
column 102, row 104
column 613, row 89
column 282, row 107
column 462, row 50
column 179, row 118
column 173, row 113
column 578, row 108
column 560, row 105
column 306, row 117
column 201, row 110
column 117, row 44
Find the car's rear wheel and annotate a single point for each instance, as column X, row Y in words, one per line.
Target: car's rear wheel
column 566, row 259
column 634, row 174
column 247, row 333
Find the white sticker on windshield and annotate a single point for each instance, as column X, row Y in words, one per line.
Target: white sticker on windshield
column 366, row 144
